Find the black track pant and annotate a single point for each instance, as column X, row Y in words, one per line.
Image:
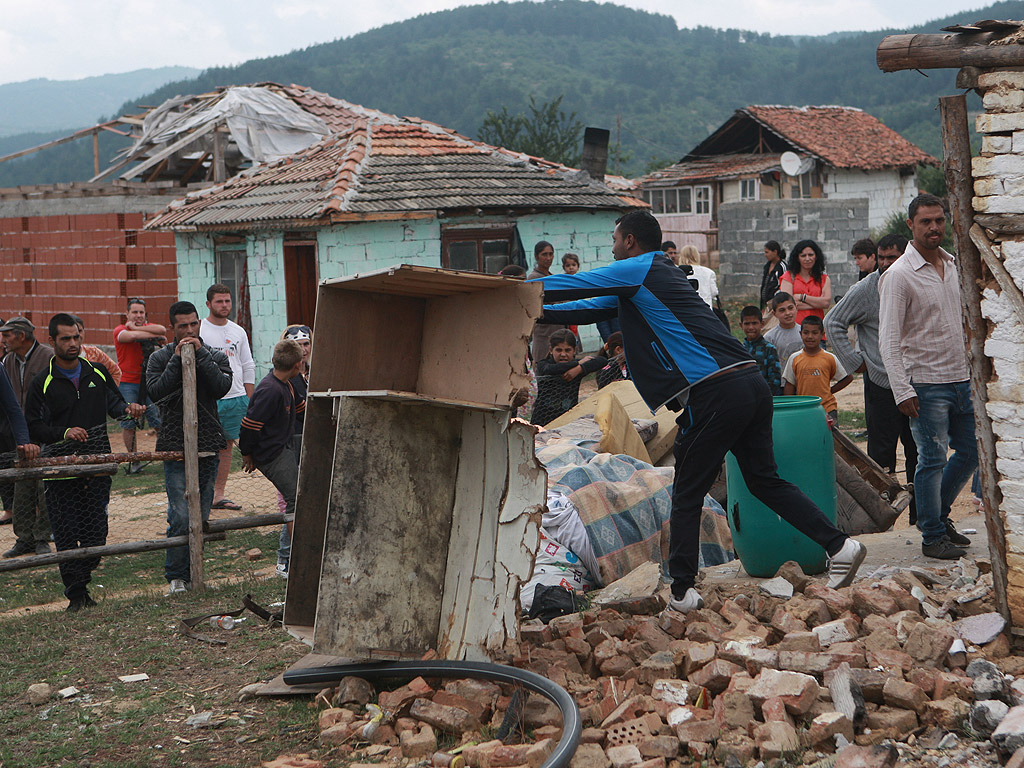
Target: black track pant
column 78, row 517
column 732, row 412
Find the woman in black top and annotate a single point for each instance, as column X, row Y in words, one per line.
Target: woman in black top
column 774, row 267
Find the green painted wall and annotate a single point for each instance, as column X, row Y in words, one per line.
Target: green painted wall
column 347, row 249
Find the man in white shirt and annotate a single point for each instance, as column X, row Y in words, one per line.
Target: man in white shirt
column 921, row 340
column 220, row 333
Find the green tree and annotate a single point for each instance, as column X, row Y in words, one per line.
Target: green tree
column 545, row 130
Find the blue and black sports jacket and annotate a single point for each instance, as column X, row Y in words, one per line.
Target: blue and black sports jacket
column 671, row 338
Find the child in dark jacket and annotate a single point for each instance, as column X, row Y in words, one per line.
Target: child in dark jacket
column 267, row 438
column 559, row 375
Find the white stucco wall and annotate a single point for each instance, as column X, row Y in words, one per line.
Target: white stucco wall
column 886, row 191
column 999, row 189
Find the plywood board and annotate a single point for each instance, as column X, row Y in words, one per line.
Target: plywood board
column 311, row 502
column 388, row 529
column 366, row 341
column 474, row 345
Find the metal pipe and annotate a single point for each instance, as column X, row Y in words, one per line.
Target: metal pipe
column 571, row 722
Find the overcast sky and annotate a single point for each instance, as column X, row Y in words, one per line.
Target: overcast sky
column 70, row 39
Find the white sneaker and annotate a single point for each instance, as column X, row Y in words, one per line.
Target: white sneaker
column 177, row 587
column 282, row 570
column 843, row 566
column 691, row 601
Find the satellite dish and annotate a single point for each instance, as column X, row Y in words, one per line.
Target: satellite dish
column 791, row 164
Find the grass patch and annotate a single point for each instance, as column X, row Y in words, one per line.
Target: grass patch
column 131, row 573
column 111, row 724
column 852, row 421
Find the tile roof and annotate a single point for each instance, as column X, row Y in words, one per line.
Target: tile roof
column 378, row 164
column 707, row 168
column 843, row 137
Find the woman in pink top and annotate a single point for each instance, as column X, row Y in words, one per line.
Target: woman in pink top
column 805, row 280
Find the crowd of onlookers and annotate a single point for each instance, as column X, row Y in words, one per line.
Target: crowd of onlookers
column 56, row 399
column 899, row 330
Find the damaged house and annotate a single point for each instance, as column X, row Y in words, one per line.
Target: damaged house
column 381, row 190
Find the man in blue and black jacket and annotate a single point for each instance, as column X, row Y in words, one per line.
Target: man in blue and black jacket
column 681, row 356
column 67, row 408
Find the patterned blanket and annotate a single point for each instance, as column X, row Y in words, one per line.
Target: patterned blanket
column 625, row 505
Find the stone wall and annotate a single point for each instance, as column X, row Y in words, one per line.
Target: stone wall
column 743, row 229
column 999, row 189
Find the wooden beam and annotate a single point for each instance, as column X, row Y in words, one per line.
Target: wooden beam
column 1002, row 223
column 947, row 50
column 220, row 172
column 995, row 266
column 167, row 151
column 55, row 142
column 124, row 548
column 193, row 168
column 158, row 170
column 52, row 473
column 95, row 152
column 956, row 149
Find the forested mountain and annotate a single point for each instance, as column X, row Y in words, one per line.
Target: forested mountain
column 33, row 106
column 659, row 89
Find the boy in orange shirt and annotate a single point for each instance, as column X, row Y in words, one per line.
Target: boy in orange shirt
column 813, row 371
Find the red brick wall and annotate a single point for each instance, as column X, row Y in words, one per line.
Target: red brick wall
column 87, row 265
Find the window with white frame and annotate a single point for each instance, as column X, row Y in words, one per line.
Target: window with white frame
column 749, row 189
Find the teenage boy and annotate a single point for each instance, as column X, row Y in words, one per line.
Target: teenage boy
column 67, row 409
column 163, row 378
column 220, row 333
column 763, row 351
column 865, row 256
column 813, row 371
column 785, row 336
column 682, row 357
column 267, row 439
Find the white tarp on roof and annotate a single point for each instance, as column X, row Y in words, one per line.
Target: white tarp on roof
column 265, row 125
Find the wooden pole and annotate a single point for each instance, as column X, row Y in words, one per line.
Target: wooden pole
column 945, row 51
column 124, row 457
column 190, row 430
column 95, row 153
column 52, row 473
column 125, row 548
column 956, row 148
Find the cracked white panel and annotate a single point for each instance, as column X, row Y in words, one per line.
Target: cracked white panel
column 500, row 494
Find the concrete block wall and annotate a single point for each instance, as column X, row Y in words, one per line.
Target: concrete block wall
column 743, row 229
column 348, row 249
column 87, row 264
column 999, row 188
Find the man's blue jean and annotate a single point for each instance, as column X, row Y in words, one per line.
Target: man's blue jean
column 945, row 420
column 176, row 564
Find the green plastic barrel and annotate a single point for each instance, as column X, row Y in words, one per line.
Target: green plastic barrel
column 805, row 456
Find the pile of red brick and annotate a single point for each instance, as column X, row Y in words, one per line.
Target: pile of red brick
column 749, row 677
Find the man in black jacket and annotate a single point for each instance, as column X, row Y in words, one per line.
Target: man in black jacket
column 67, row 409
column 164, row 384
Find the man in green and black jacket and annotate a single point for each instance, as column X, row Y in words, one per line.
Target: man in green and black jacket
column 67, row 409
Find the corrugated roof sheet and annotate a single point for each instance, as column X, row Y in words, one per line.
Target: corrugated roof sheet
column 381, row 163
column 707, row 168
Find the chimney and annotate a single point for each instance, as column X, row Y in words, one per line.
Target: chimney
column 595, row 152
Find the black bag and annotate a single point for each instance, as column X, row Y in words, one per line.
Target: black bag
column 551, row 601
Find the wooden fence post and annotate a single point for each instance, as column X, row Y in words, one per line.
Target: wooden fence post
column 190, row 431
column 956, row 150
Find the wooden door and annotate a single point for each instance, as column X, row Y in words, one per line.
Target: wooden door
column 300, row 282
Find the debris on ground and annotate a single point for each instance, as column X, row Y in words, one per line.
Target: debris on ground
column 908, row 666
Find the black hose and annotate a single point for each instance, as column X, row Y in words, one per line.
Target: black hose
column 571, row 723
